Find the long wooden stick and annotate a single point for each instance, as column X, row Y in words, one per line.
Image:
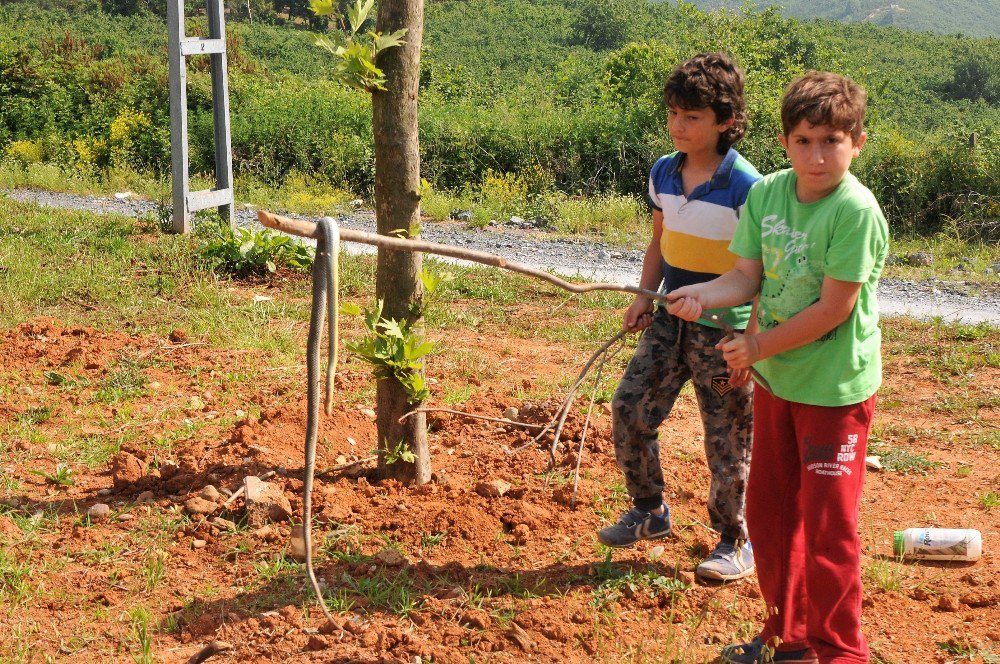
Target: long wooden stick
column 305, row 228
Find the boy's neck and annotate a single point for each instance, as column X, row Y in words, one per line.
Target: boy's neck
column 708, row 160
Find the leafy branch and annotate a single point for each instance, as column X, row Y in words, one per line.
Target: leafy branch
column 394, row 349
column 356, row 51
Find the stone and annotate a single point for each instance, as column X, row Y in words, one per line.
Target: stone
column 873, row 462
column 210, row 493
column 196, row 403
column 26, row 391
column 98, row 512
column 126, row 469
column 511, row 414
column 948, row 604
column 198, row 544
column 146, row 497
column 125, row 516
column 253, row 488
column 492, row 489
column 317, row 642
column 267, row 504
column 224, row 524
column 198, row 505
column 369, row 413
column 178, row 336
column 920, row 259
column 391, row 557
column 475, row 618
column 297, row 547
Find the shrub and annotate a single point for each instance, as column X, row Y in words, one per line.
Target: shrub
column 25, row 153
column 244, row 252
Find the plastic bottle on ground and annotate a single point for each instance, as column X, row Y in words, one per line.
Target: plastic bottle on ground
column 938, row 543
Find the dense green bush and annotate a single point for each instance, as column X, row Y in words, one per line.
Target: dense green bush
column 511, row 93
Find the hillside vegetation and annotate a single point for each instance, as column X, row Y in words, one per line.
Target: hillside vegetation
column 522, row 100
column 971, row 17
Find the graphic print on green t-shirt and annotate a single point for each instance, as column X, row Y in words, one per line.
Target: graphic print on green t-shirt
column 843, row 236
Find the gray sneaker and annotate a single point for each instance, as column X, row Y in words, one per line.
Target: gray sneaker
column 756, row 652
column 727, row 562
column 634, row 525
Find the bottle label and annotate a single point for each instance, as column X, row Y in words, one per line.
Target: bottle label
column 929, row 547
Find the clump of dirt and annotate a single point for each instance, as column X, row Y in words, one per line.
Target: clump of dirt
column 488, row 562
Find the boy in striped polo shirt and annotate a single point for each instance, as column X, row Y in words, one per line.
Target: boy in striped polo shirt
column 695, row 194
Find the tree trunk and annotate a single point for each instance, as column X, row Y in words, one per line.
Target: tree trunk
column 397, row 206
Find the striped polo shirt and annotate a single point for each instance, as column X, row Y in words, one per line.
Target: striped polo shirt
column 697, row 229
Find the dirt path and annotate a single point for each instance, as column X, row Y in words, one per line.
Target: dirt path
column 591, row 260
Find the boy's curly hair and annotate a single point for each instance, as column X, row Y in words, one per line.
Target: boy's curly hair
column 711, row 80
column 824, row 98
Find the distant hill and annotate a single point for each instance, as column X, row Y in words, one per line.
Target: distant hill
column 977, row 18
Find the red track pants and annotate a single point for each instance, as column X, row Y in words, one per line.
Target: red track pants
column 806, row 475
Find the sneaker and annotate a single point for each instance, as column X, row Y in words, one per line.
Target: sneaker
column 727, row 562
column 756, row 652
column 634, row 525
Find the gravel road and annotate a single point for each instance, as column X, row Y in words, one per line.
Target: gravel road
column 578, row 258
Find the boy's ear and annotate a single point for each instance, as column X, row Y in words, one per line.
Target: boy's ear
column 783, row 139
column 860, row 143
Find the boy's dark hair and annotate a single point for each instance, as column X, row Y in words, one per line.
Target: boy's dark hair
column 711, row 80
column 824, row 98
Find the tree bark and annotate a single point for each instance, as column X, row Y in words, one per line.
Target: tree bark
column 397, row 206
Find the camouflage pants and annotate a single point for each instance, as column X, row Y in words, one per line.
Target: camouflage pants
column 670, row 352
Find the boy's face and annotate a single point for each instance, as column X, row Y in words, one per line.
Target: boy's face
column 695, row 131
column 820, row 156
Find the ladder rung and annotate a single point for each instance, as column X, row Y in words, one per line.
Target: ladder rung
column 208, row 198
column 202, row 46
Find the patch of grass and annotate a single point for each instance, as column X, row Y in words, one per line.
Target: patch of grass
column 14, row 578
column 430, row 541
column 36, row 415
column 900, row 460
column 989, row 500
column 613, row 218
column 140, row 618
column 968, row 652
column 394, row 592
column 613, row 504
column 154, row 568
column 125, row 382
column 456, row 394
column 62, row 475
column 885, row 574
column 94, row 451
column 277, row 567
column 989, row 438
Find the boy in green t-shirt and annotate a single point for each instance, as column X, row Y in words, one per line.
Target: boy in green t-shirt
column 812, row 242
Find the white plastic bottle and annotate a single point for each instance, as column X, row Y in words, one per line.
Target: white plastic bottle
column 938, row 543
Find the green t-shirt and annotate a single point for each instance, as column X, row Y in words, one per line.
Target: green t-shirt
column 843, row 236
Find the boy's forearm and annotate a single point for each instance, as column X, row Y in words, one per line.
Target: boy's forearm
column 652, row 273
column 731, row 289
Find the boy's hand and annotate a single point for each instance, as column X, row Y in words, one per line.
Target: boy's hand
column 740, row 352
column 685, row 303
column 739, row 377
column 639, row 315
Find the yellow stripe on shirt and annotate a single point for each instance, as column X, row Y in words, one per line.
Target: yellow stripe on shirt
column 696, row 254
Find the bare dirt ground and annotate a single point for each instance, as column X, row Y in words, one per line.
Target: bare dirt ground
column 481, row 578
